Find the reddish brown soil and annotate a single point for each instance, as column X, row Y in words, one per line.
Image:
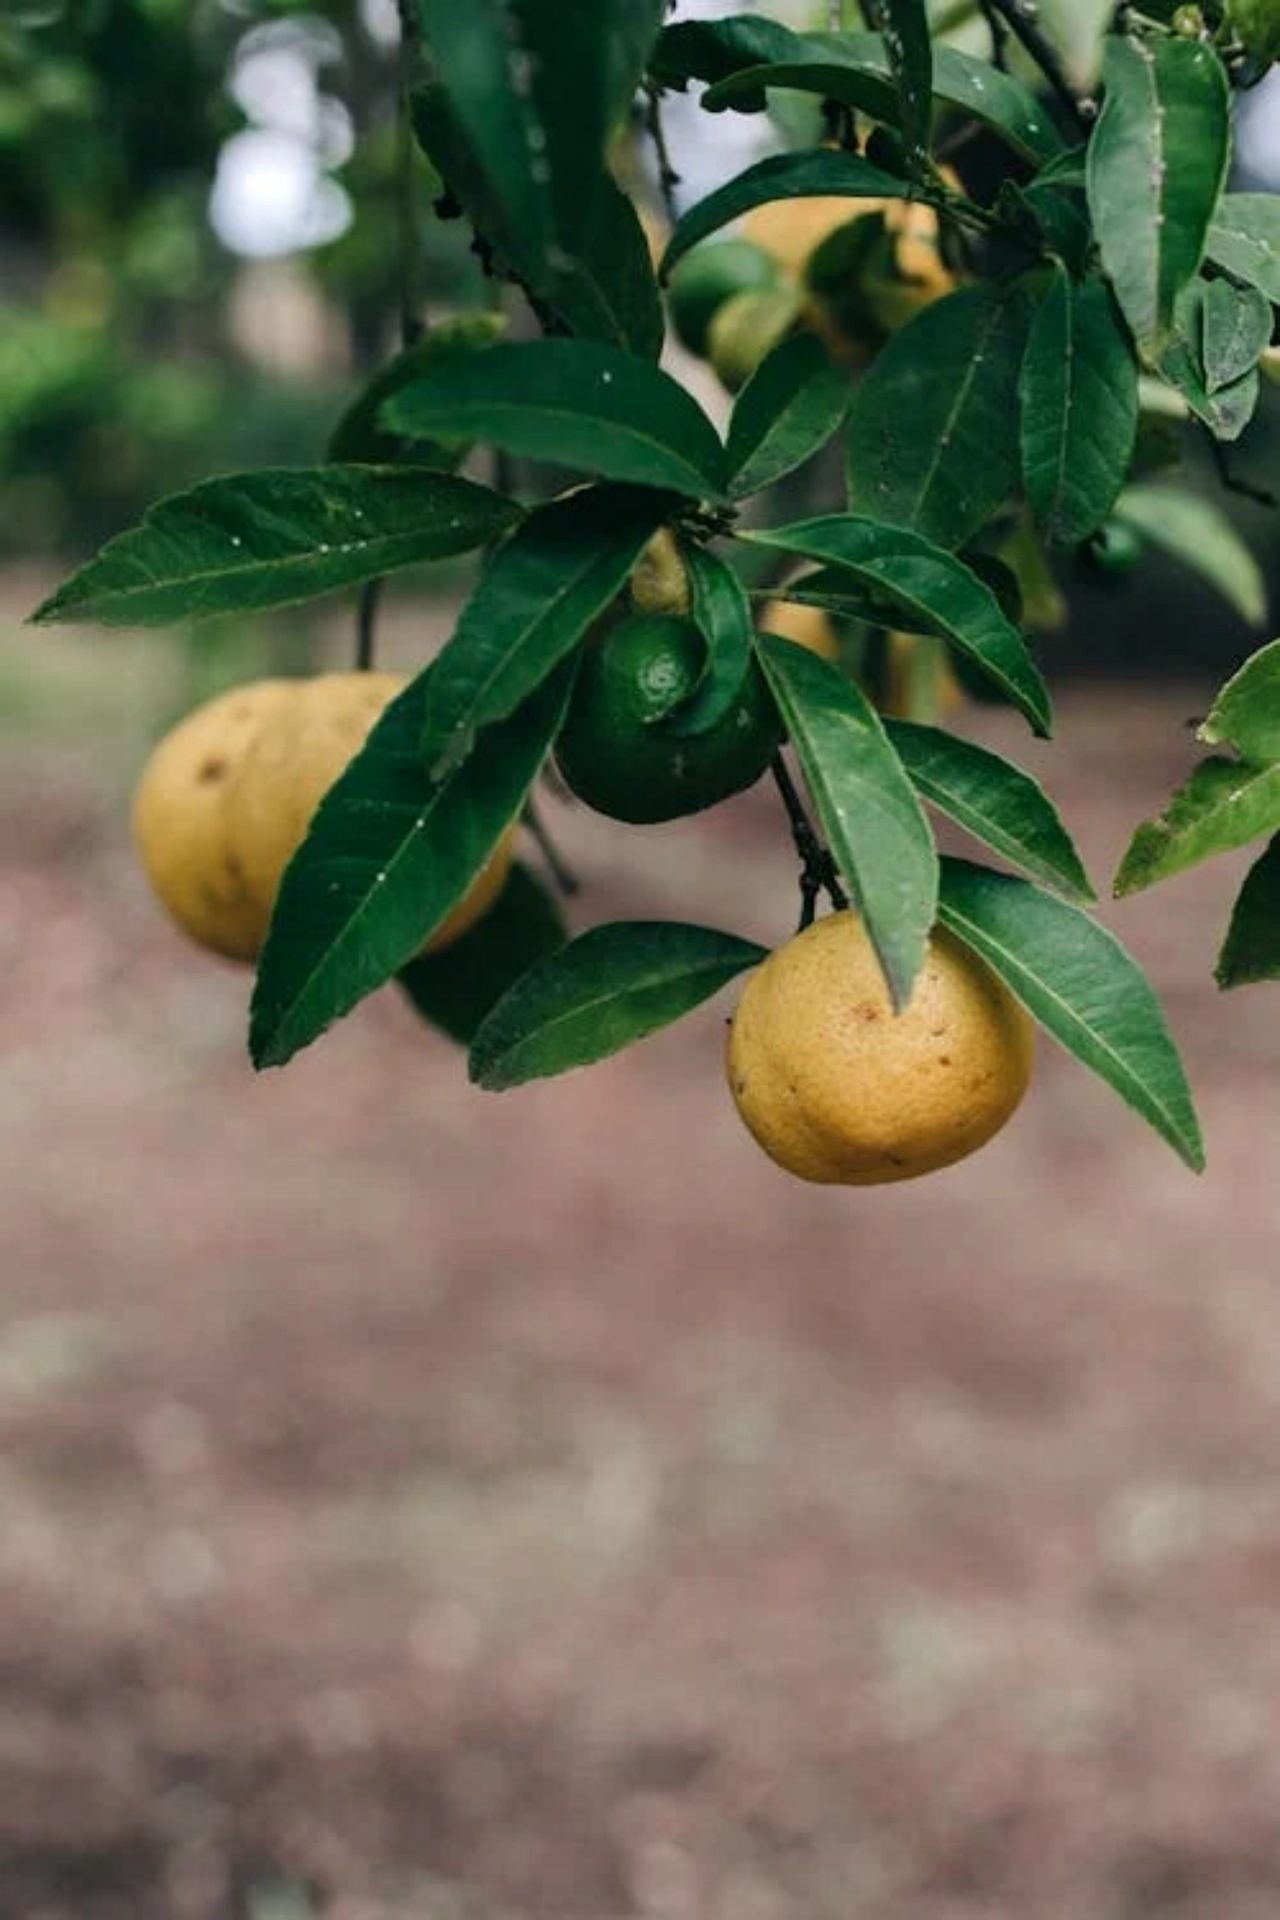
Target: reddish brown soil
column 420, row 1505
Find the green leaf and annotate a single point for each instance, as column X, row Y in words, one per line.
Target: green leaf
column 1246, row 713
column 783, row 176
column 997, row 803
column 575, row 403
column 358, row 436
column 1226, row 409
column 1079, row 392
column 711, row 50
column 723, row 613
column 530, row 607
column 1244, row 240
column 267, row 539
column 792, row 404
column 387, row 857
column 854, row 70
column 1251, row 950
column 1198, row 533
column 1156, row 165
column 455, row 989
column 520, row 105
column 1075, row 978
column 611, row 986
column 1222, row 805
column 872, row 819
column 1236, row 324
column 932, row 439
column 937, row 593
column 910, row 54
column 836, row 592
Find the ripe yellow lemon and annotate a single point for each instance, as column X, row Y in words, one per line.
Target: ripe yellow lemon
column 790, row 230
column 181, row 827
column 227, row 797
column 838, row 1089
column 807, row 626
column 659, row 581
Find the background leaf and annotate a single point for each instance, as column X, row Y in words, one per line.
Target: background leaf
column 790, row 407
column 611, row 986
column 1251, row 950
column 1246, row 713
column 388, row 855
column 1236, row 324
column 530, row 607
column 1244, row 239
column 932, row 440
column 574, row 403
column 723, row 613
column 529, row 82
column 872, row 819
column 1157, row 161
column 816, row 174
column 937, row 593
column 455, row 989
column 1196, row 532
column 1225, row 407
column 358, row 435
column 1075, row 978
column 1223, row 804
column 267, row 539
column 996, row 802
column 1079, row 394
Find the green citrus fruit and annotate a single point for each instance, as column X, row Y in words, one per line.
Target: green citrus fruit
column 707, row 277
column 620, row 751
column 749, row 326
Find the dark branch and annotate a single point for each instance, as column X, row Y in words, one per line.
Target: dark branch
column 1022, row 19
column 817, row 868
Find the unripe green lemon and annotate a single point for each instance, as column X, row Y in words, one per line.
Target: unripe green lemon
column 708, row 276
column 619, row 750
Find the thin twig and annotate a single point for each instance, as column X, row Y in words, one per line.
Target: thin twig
column 367, row 625
column 999, row 31
column 1232, row 483
column 1022, row 19
column 817, row 868
column 566, row 880
column 668, row 178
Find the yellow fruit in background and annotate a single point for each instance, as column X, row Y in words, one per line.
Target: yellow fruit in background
column 791, row 230
column 917, row 679
column 838, row 1089
column 808, row 626
column 226, row 799
column 181, row 826
column 659, row 580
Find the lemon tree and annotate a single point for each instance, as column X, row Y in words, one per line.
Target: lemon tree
column 971, row 377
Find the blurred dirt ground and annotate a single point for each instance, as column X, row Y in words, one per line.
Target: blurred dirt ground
column 416, row 1505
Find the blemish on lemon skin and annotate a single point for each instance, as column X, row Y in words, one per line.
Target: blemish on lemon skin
column 211, row 770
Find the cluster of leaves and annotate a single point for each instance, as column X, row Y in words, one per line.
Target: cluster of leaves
column 1109, row 273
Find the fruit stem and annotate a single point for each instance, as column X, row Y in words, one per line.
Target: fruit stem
column 817, row 868
column 566, row 880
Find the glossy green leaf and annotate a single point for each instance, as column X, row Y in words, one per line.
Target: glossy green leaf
column 611, row 986
column 271, row 538
column 711, row 50
column 1226, row 408
column 937, row 593
column 455, row 989
column 909, row 49
column 1244, row 239
column 869, row 811
column 1236, row 330
column 1251, row 950
column 575, row 403
column 1246, row 713
column 792, row 404
column 1196, row 532
column 854, row 69
column 1157, row 161
column 388, row 855
column 997, row 803
column 815, row 174
column 1075, row 978
column 932, row 439
column 838, row 592
column 517, row 113
column 530, row 607
column 1079, row 392
column 358, row 435
column 723, row 613
column 1222, row 805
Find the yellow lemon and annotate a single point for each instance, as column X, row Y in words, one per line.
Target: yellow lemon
column 837, row 1088
column 807, row 626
